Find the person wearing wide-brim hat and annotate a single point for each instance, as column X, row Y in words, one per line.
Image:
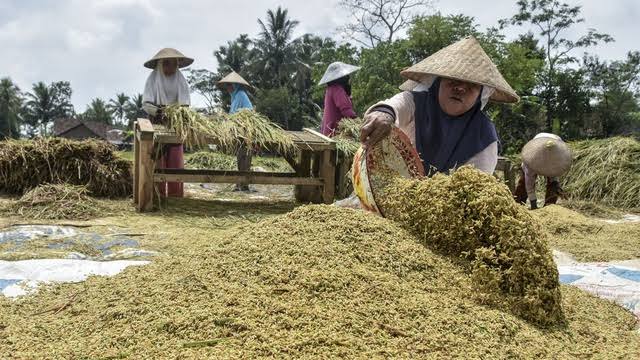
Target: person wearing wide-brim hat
column 440, row 109
column 337, row 97
column 236, row 87
column 546, row 155
column 166, row 86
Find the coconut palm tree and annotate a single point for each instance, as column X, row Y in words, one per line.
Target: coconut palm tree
column 46, row 103
column 118, row 107
column 134, row 110
column 10, row 104
column 97, row 111
column 39, row 108
column 275, row 46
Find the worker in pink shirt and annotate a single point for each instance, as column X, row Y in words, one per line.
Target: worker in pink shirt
column 337, row 98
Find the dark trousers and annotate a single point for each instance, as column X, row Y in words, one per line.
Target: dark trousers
column 244, row 163
column 551, row 194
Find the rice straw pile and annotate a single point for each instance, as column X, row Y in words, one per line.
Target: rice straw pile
column 472, row 216
column 605, row 171
column 25, row 164
column 57, row 201
column 229, row 132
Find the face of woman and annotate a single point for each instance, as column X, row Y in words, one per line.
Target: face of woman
column 229, row 88
column 457, row 97
column 169, row 66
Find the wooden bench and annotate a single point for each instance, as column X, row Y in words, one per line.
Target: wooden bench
column 314, row 167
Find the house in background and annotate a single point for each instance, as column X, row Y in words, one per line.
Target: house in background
column 77, row 129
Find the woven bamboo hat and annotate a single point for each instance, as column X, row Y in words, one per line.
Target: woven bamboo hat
column 169, row 53
column 336, row 70
column 233, row 78
column 547, row 156
column 464, row 60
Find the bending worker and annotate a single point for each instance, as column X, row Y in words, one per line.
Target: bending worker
column 337, row 97
column 441, row 109
column 166, row 86
column 235, row 86
column 545, row 155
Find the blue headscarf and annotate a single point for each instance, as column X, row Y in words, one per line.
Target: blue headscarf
column 445, row 141
column 239, row 99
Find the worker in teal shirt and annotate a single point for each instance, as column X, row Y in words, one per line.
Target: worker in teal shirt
column 235, row 85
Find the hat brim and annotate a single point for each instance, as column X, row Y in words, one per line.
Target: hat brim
column 182, row 62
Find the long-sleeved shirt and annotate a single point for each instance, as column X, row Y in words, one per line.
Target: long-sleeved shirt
column 529, row 175
column 404, row 109
column 239, row 100
column 337, row 105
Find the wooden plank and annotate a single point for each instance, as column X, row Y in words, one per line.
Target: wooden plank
column 136, row 164
column 233, row 177
column 166, row 138
column 145, row 180
column 303, row 193
column 319, row 135
column 145, row 129
column 328, row 174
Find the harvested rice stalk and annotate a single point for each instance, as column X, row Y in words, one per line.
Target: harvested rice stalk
column 210, row 160
column 57, row 201
column 350, row 128
column 25, row 164
column 605, row 171
column 229, row 132
column 472, row 215
column 348, row 137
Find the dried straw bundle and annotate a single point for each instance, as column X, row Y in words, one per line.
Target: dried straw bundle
column 57, row 201
column 605, row 171
column 25, row 164
column 229, row 132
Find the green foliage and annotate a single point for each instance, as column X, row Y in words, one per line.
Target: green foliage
column 118, row 107
column 45, row 104
column 381, row 76
column 10, row 104
column 428, row 34
column 554, row 20
column 98, row 111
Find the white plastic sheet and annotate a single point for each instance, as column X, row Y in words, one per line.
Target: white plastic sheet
column 618, row 281
column 21, row 277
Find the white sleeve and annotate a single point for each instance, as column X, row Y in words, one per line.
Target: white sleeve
column 486, row 160
column 404, row 108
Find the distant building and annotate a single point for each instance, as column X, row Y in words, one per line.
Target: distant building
column 77, row 129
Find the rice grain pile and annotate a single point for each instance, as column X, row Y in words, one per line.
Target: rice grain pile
column 472, row 216
column 25, row 164
column 589, row 239
column 57, row 201
column 605, row 171
column 319, row 282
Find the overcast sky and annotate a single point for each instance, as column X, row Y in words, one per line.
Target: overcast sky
column 100, row 45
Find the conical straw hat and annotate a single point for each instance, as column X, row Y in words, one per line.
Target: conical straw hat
column 337, row 70
column 169, row 53
column 464, row 60
column 234, row 78
column 547, row 156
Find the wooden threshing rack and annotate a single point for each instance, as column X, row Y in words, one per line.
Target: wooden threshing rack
column 314, row 165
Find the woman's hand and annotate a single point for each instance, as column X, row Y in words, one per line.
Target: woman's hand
column 377, row 126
